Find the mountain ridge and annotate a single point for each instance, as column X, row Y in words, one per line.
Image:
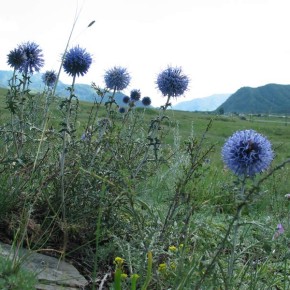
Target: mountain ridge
column 209, row 103
column 270, row 99
column 83, row 91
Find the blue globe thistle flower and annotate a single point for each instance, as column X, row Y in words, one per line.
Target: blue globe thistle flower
column 49, row 78
column 77, row 61
column 247, row 152
column 33, row 58
column 126, row 100
column 117, row 78
column 146, row 101
column 135, row 95
column 122, row 110
column 16, row 58
column 172, row 82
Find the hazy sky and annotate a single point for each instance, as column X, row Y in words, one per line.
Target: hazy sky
column 221, row 45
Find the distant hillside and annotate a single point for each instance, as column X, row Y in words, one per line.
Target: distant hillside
column 83, row 91
column 269, row 99
column 202, row 104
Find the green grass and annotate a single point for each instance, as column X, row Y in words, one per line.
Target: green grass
column 195, row 122
column 188, row 198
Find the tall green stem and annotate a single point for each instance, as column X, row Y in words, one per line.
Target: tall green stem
column 21, row 116
column 65, row 135
column 231, row 265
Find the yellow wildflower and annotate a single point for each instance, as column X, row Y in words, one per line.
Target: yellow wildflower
column 119, row 261
column 162, row 267
column 172, row 248
column 173, row 265
column 124, row 275
column 135, row 276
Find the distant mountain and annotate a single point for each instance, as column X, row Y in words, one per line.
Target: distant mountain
column 83, row 91
column 269, row 99
column 202, row 104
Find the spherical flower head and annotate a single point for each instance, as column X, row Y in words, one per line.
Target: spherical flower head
column 122, row 110
column 135, row 95
column 49, row 78
column 117, row 78
column 77, row 61
column 126, row 100
column 172, row 82
column 33, row 58
column 16, row 58
column 146, row 101
column 247, row 153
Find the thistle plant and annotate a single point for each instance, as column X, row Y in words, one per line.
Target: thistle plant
column 126, row 100
column 26, row 59
column 172, row 83
column 33, row 61
column 247, row 153
column 49, row 79
column 108, row 183
column 116, row 79
column 33, row 58
column 76, row 62
column 15, row 59
column 135, row 95
column 146, row 101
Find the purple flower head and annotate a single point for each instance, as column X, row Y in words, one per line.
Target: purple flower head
column 280, row 229
column 33, row 58
column 117, row 78
column 77, row 61
column 135, row 95
column 172, row 82
column 126, row 100
column 146, row 101
column 49, row 78
column 122, row 110
column 16, row 58
column 247, row 153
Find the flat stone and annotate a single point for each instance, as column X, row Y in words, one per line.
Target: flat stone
column 51, row 273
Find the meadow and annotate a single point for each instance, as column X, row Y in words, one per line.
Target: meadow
column 141, row 198
column 144, row 200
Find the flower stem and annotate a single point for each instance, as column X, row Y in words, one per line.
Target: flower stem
column 231, row 265
column 65, row 136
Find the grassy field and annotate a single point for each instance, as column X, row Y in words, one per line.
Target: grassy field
column 167, row 210
column 276, row 128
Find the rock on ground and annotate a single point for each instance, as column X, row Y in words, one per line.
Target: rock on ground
column 51, row 273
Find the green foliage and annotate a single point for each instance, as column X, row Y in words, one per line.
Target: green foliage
column 93, row 184
column 16, row 279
